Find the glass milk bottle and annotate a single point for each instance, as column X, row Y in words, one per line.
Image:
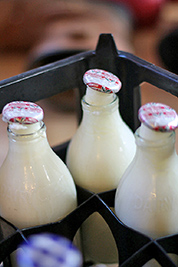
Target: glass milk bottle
column 146, row 198
column 98, row 155
column 35, row 185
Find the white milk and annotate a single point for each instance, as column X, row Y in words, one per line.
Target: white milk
column 147, row 195
column 97, row 157
column 36, row 186
column 101, row 149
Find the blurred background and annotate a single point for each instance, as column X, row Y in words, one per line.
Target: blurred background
column 29, row 30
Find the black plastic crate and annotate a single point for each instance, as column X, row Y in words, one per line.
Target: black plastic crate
column 134, row 248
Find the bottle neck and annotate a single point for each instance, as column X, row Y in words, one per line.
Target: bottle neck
column 97, row 98
column 100, row 117
column 23, row 129
column 26, row 132
column 159, row 144
column 152, row 135
column 102, row 107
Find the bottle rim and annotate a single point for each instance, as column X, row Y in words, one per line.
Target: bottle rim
column 112, row 104
column 161, row 142
column 34, row 133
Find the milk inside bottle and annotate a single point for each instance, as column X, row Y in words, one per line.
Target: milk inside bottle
column 36, row 187
column 98, row 155
column 146, row 198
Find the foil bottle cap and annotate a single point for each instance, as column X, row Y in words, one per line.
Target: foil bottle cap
column 48, row 250
column 22, row 112
column 102, row 81
column 158, row 117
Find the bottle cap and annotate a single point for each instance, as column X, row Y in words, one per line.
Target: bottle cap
column 22, row 112
column 158, row 117
column 48, row 250
column 101, row 80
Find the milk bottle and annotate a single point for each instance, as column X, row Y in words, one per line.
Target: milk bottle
column 146, row 198
column 35, row 185
column 98, row 155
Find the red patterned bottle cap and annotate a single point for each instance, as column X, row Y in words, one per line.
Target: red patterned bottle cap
column 158, row 117
column 22, row 112
column 101, row 80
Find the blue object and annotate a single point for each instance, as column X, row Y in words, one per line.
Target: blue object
column 48, row 250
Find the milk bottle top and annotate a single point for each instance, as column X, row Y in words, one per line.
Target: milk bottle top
column 22, row 112
column 48, row 250
column 156, row 118
column 100, row 81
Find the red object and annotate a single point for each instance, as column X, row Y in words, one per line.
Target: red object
column 145, row 12
column 158, row 117
column 102, row 81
